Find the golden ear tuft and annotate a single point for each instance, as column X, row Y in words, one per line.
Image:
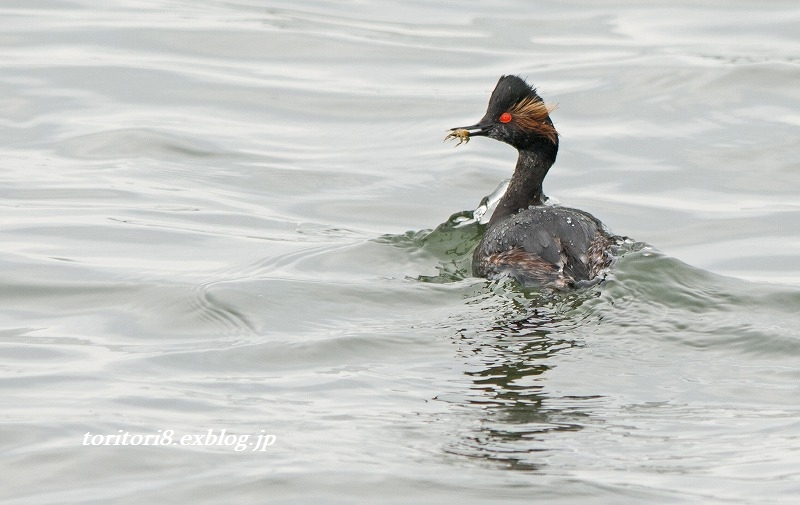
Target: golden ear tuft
column 531, row 114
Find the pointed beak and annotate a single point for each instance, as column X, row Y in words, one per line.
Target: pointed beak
column 476, row 130
column 465, row 133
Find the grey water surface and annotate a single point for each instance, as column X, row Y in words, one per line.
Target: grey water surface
column 234, row 254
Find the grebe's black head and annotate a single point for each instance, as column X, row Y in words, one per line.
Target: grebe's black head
column 517, row 116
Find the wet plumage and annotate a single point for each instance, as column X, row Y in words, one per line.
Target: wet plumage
column 526, row 239
column 550, row 245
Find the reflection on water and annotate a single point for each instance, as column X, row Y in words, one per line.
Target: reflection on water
column 507, row 361
column 204, row 208
column 518, row 418
column 507, row 366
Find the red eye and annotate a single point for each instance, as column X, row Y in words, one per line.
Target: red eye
column 505, row 117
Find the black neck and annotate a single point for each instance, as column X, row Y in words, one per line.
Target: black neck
column 525, row 188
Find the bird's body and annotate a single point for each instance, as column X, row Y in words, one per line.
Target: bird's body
column 526, row 239
column 547, row 245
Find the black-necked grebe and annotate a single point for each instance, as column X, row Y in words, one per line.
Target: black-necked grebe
column 534, row 243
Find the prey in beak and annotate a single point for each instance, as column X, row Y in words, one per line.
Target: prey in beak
column 464, row 133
